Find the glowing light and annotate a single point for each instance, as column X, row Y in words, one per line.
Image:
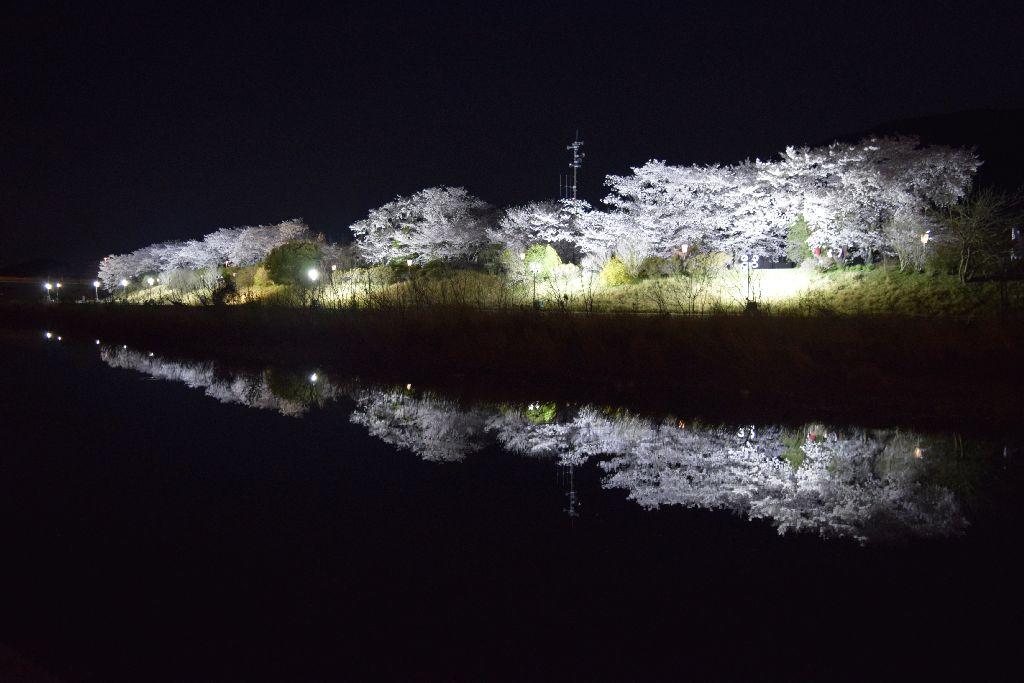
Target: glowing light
column 313, row 274
column 48, row 335
column 313, row 378
column 96, row 284
column 685, row 248
column 333, row 267
column 97, row 342
column 125, row 346
column 59, row 338
column 925, row 236
column 150, row 354
column 59, row 285
column 124, row 283
column 918, row 453
column 408, row 387
column 149, row 281
column 408, row 262
column 48, row 286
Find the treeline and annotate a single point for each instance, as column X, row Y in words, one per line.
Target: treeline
column 881, row 197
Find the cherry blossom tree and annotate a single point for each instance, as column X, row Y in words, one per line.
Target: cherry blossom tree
column 439, row 223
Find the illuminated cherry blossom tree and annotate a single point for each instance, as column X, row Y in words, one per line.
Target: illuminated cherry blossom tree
column 439, row 223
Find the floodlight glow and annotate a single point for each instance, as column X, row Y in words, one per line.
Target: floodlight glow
column 48, row 335
column 685, row 248
column 97, row 342
column 313, row 274
column 313, row 378
column 408, row 387
column 149, row 281
column 59, row 285
column 925, row 236
column 96, row 284
column 124, row 283
column 408, row 262
column 333, row 267
column 48, row 286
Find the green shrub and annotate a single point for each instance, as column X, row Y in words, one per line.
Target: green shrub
column 615, row 273
column 797, row 249
column 288, row 263
column 542, row 259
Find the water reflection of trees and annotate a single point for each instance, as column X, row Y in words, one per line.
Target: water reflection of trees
column 270, row 390
column 864, row 484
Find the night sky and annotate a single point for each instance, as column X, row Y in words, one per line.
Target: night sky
column 122, row 126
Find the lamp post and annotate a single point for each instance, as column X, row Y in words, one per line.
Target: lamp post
column 57, row 290
column 124, row 288
column 96, row 289
column 534, row 268
column 750, row 262
column 48, row 287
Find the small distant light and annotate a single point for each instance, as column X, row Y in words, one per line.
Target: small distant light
column 333, row 267
column 313, row 378
column 59, row 285
column 313, row 274
column 125, row 346
column 48, row 335
column 97, row 342
column 150, row 281
column 925, row 236
column 408, row 262
column 96, row 284
column 408, row 387
column 150, row 354
column 59, row 338
column 685, row 248
column 124, row 283
column 918, row 453
column 48, row 286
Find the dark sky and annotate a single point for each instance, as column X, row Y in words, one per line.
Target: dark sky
column 124, row 125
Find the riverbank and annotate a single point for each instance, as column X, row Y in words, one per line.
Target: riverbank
column 928, row 373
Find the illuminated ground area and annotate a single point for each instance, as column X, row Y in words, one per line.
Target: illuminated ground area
column 877, row 290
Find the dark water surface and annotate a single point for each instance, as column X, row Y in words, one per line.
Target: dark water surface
column 172, row 520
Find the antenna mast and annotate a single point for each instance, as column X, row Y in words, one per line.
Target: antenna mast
column 577, row 160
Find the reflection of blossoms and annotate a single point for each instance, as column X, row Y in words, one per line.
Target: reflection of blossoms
column 431, row 427
column 859, row 484
column 253, row 391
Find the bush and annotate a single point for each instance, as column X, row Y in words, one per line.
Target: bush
column 543, row 259
column 615, row 273
column 288, row 263
column 797, row 249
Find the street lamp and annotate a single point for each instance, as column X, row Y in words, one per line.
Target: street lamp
column 534, row 268
column 96, row 289
column 313, row 378
column 313, row 274
column 124, row 288
column 48, row 287
column 58, row 291
column 150, row 281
